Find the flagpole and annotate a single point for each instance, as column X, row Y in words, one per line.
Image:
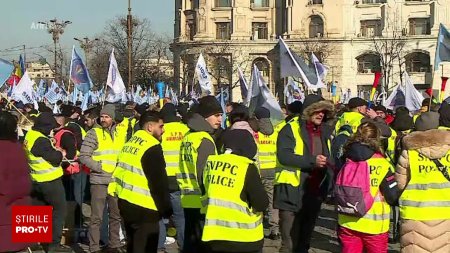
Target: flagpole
column 10, row 103
column 70, row 70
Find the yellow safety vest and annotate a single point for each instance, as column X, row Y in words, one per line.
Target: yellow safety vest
column 390, row 150
column 267, row 148
column 427, row 195
column 129, row 178
column 228, row 218
column 444, row 128
column 40, row 170
column 83, row 132
column 415, row 118
column 171, row 142
column 352, row 119
column 122, row 128
column 285, row 174
column 187, row 177
column 108, row 149
column 376, row 220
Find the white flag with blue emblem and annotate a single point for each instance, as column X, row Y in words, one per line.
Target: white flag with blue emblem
column 114, row 80
column 24, row 90
column 203, row 76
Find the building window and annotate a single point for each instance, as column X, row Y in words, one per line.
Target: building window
column 311, row 2
column 260, row 31
column 316, row 27
column 373, row 1
column 371, row 28
column 38, row 75
column 368, row 63
column 223, row 3
column 259, row 3
column 417, row 62
column 264, row 67
column 223, row 31
column 419, row 26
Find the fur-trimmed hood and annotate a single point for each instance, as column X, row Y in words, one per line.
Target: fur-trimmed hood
column 433, row 143
column 323, row 105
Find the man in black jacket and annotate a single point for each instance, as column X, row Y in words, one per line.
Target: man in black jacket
column 141, row 217
column 303, row 153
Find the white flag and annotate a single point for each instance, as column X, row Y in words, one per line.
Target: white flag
column 261, row 96
column 413, row 98
column 114, row 80
column 244, row 86
column 321, row 69
column 292, row 92
column 24, row 90
column 203, row 76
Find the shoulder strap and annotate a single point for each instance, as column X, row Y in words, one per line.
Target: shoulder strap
column 441, row 168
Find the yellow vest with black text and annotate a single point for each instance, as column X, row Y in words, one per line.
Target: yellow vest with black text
column 352, row 119
column 131, row 183
column 427, row 195
column 107, row 150
column 286, row 174
column 228, row 218
column 40, row 170
column 171, row 142
column 187, row 177
column 376, row 220
column 267, row 148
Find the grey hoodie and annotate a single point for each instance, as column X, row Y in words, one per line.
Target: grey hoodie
column 89, row 145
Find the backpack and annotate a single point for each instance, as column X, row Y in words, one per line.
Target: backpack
column 352, row 189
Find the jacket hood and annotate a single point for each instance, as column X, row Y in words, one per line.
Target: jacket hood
column 198, row 124
column 45, row 123
column 265, row 126
column 434, row 143
column 359, row 152
column 319, row 106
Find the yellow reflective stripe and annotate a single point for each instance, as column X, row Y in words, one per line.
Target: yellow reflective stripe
column 133, row 188
column 105, row 152
column 172, row 164
column 191, row 192
column 286, row 169
column 377, row 217
column 130, row 168
column 45, row 171
column 108, row 162
column 226, row 204
column 171, row 152
column 266, row 153
column 36, row 161
column 185, row 176
column 232, row 224
column 430, row 186
column 412, row 203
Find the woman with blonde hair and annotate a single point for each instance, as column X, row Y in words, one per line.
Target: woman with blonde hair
column 366, row 230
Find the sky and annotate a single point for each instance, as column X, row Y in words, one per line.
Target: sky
column 19, row 21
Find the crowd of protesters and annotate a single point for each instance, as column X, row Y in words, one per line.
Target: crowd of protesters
column 145, row 172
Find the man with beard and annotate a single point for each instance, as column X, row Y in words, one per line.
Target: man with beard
column 142, row 186
column 99, row 153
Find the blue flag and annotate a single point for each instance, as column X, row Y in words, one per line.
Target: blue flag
column 79, row 73
column 6, row 69
column 443, row 47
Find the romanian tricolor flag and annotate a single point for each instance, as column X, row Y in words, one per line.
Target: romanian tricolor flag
column 378, row 76
column 18, row 72
column 444, row 82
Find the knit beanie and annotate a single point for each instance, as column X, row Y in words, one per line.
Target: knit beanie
column 109, row 110
column 402, row 121
column 356, row 102
column 208, row 106
column 427, row 121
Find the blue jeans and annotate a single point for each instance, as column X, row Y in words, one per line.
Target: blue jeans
column 178, row 219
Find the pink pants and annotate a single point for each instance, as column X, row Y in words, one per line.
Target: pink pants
column 355, row 242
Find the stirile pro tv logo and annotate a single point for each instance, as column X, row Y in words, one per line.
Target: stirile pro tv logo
column 32, row 224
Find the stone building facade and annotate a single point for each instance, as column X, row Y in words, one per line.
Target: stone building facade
column 353, row 38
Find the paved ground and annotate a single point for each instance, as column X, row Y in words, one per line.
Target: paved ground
column 324, row 237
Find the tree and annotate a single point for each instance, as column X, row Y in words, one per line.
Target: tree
column 147, row 48
column 390, row 50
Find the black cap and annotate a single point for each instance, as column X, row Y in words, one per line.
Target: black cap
column 355, row 102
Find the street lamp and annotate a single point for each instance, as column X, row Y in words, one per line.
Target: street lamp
column 86, row 44
column 56, row 29
column 129, row 36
